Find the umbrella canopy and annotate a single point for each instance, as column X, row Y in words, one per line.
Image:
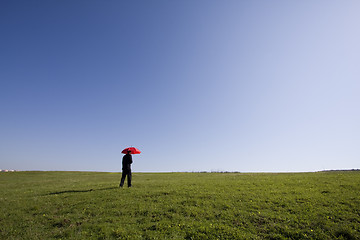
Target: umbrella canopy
column 132, row 150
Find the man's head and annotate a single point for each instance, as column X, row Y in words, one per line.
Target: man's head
column 129, row 152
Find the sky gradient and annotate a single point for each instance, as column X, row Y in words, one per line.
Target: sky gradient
column 249, row 86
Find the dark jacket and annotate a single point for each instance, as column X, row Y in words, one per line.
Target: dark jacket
column 126, row 162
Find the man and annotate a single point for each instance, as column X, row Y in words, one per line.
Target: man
column 126, row 169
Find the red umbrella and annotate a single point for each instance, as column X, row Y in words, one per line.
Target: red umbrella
column 132, row 150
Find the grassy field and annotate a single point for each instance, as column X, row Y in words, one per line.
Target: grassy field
column 88, row 205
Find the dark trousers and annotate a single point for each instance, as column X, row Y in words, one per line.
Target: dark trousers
column 124, row 174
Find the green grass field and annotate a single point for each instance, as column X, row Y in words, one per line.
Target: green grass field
column 88, row 205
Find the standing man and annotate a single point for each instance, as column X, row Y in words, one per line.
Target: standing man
column 126, row 169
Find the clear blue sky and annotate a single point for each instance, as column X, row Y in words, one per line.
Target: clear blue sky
column 250, row 86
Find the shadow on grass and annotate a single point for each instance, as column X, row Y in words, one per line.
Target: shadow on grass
column 80, row 191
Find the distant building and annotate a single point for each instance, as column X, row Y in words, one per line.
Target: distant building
column 6, row 170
